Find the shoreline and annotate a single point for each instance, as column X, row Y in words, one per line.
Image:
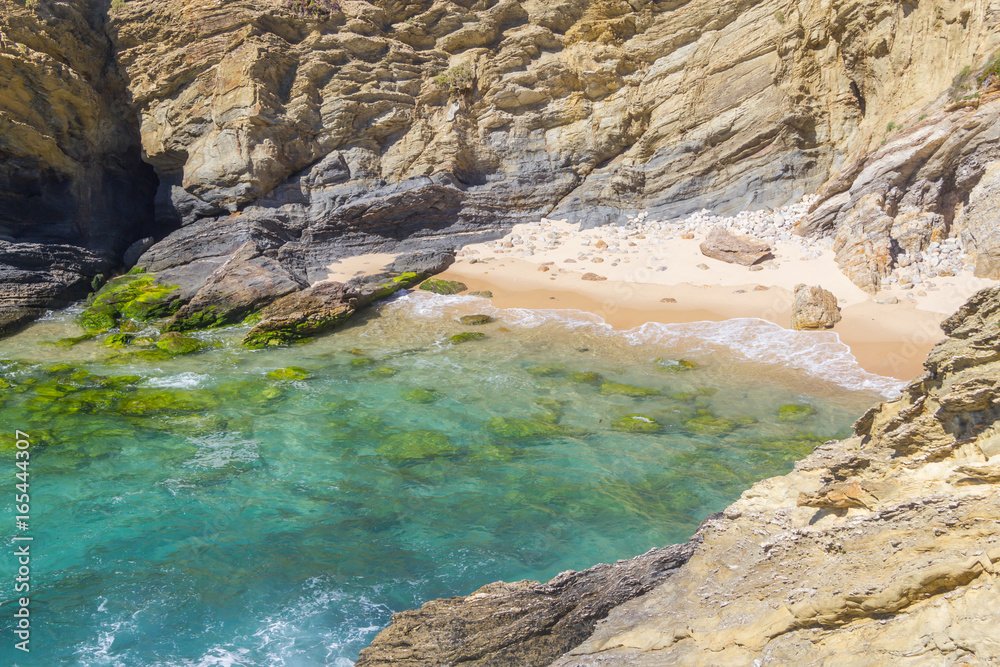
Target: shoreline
column 895, row 346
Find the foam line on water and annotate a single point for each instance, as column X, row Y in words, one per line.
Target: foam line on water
column 819, row 354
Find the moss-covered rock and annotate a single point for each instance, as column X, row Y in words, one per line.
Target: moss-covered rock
column 362, row 362
column 145, row 402
column 400, row 282
column 485, row 294
column 290, row 373
column 416, row 446
column 176, row 344
column 619, row 389
column 357, row 352
column 384, row 372
column 66, row 343
column 519, row 428
column 795, row 413
column 475, row 320
column 467, row 336
column 674, row 365
column 547, row 370
column 421, row 395
column 135, row 295
column 636, row 423
column 119, row 340
column 439, row 286
column 707, row 423
column 585, row 377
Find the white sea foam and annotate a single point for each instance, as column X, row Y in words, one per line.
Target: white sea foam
column 820, row 354
column 180, row 381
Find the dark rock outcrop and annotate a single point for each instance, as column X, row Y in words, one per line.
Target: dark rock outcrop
column 74, row 192
column 525, row 623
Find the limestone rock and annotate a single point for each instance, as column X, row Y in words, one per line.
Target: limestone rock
column 728, row 247
column 814, row 308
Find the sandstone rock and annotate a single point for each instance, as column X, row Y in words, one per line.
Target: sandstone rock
column 592, row 277
column 728, row 247
column 814, row 308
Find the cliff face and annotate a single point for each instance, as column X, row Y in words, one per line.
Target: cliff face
column 882, row 549
column 318, row 129
column 74, row 192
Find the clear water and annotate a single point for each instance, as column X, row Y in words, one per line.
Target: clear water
column 249, row 521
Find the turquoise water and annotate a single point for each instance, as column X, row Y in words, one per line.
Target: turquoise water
column 198, row 512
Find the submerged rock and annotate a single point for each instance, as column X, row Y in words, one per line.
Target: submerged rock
column 618, row 389
column 421, row 395
column 675, row 365
column 636, row 423
column 475, row 320
column 177, row 344
column 290, row 373
column 136, row 295
column 416, row 446
column 795, row 413
column 515, row 427
column 443, row 286
column 467, row 336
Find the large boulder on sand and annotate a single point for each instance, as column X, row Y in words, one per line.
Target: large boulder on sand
column 728, row 247
column 815, row 308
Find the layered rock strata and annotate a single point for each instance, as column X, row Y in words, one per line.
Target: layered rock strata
column 344, row 126
column 880, row 549
column 74, row 193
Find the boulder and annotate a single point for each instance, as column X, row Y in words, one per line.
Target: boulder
column 814, row 308
column 728, row 247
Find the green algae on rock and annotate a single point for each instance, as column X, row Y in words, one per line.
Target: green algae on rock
column 475, row 320
column 674, row 365
column 467, row 336
column 707, row 423
column 585, row 377
column 795, row 413
column 137, row 296
column 417, row 445
column 290, row 373
column 176, row 344
column 619, row 389
column 547, row 370
column 636, row 423
column 444, row 287
column 119, row 340
column 421, row 395
column 384, row 371
column 362, row 362
column 485, row 294
column 517, row 427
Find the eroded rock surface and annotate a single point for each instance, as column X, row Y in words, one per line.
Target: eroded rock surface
column 725, row 246
column 525, row 623
column 74, row 192
column 814, row 308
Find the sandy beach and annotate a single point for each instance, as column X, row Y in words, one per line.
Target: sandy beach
column 656, row 272
column 667, row 279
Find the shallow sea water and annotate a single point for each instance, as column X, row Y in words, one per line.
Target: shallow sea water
column 202, row 513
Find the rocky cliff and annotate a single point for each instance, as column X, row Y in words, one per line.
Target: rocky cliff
column 882, row 549
column 74, row 192
column 317, row 128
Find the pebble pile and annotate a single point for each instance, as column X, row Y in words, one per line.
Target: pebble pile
column 615, row 243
